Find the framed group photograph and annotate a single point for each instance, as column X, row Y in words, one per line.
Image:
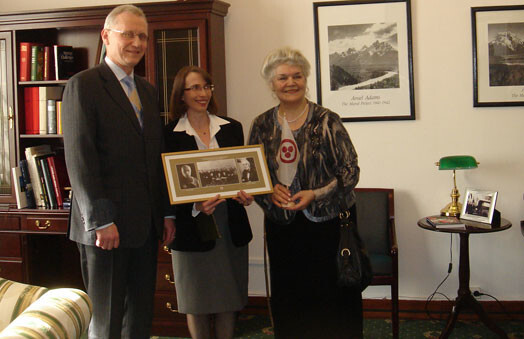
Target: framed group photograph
column 479, row 205
column 498, row 55
column 199, row 175
column 364, row 59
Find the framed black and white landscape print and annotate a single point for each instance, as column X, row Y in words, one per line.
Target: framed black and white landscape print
column 364, row 59
column 498, row 56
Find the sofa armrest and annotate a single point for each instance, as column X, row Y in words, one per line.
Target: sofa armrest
column 15, row 297
column 59, row 313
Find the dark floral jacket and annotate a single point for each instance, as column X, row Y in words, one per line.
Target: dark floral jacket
column 328, row 163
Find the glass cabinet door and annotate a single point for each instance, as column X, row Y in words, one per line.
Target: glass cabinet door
column 6, row 118
column 173, row 46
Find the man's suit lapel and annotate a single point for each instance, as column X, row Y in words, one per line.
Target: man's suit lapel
column 116, row 92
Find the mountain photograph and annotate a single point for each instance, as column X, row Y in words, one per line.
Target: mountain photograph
column 506, row 54
column 363, row 56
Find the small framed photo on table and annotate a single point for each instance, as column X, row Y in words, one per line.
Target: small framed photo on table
column 479, row 205
column 199, row 175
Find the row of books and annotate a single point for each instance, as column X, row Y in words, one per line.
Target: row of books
column 43, row 110
column 39, row 62
column 40, row 179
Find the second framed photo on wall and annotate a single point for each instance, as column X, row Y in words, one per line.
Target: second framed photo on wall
column 498, row 55
column 364, row 59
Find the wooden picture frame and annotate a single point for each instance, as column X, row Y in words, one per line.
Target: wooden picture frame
column 193, row 176
column 364, row 59
column 498, row 56
column 479, row 205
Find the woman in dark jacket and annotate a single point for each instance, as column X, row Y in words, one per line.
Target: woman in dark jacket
column 211, row 274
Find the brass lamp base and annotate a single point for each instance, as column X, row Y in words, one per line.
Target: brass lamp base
column 452, row 210
column 454, row 207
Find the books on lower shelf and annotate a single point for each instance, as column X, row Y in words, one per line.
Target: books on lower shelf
column 47, row 175
column 40, row 109
column 445, row 222
column 47, row 93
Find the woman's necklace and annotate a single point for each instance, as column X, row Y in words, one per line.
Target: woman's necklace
column 201, row 130
column 298, row 117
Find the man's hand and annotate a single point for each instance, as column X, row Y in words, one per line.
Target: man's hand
column 108, row 238
column 169, row 231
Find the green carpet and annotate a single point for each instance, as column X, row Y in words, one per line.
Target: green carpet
column 249, row 326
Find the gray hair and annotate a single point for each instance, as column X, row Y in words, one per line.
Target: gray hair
column 110, row 19
column 285, row 55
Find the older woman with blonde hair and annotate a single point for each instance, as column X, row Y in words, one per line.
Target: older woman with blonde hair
column 301, row 219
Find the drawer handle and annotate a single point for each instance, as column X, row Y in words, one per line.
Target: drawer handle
column 168, row 306
column 45, row 226
column 168, row 278
column 166, row 249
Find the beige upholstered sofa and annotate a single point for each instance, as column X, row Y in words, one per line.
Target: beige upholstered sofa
column 35, row 312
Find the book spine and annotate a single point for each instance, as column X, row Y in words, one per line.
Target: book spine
column 37, row 61
column 30, row 194
column 45, row 75
column 40, row 173
column 18, row 183
column 28, row 110
column 25, row 64
column 42, row 110
column 51, row 116
column 56, row 181
column 59, row 116
column 48, row 181
column 36, row 110
column 35, row 180
column 55, row 58
column 64, row 62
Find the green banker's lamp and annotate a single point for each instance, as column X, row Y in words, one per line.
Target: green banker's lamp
column 455, row 162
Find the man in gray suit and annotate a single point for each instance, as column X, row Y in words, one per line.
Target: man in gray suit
column 113, row 140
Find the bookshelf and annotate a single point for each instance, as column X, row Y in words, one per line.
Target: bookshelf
column 33, row 245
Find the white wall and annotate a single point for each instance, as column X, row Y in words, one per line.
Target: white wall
column 397, row 154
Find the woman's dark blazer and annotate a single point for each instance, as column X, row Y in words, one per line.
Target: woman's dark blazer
column 187, row 237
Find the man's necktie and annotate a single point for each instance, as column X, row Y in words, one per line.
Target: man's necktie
column 133, row 97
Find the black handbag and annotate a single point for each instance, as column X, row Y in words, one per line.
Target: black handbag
column 354, row 266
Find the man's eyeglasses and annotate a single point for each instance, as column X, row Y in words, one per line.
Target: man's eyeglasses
column 130, row 35
column 198, row 88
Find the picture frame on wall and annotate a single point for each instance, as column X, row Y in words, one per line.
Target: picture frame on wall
column 498, row 55
column 364, row 59
column 193, row 176
column 479, row 205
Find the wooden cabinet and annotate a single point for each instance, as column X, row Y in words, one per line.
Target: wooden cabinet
column 33, row 244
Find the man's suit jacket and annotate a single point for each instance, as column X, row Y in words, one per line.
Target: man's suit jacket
column 187, row 237
column 114, row 166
